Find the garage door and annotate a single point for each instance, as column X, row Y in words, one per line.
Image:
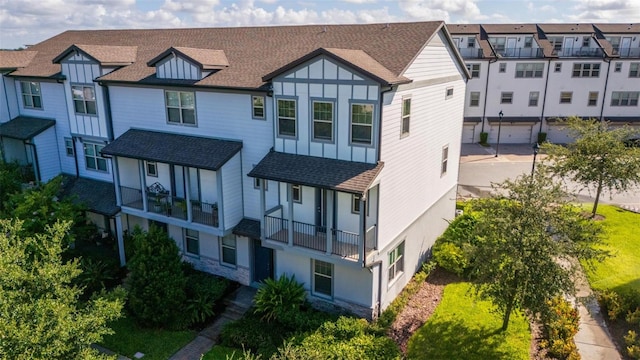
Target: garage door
column 467, row 134
column 558, row 135
column 511, row 134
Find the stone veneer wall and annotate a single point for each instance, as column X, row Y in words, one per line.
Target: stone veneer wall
column 341, row 306
column 240, row 274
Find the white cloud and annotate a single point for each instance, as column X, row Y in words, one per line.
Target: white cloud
column 359, row 1
column 440, row 9
column 605, row 11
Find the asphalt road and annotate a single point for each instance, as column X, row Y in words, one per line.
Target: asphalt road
column 479, row 168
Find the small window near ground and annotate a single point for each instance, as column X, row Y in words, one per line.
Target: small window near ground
column 396, row 262
column 406, row 116
column 31, row 96
column 502, row 67
column 228, row 250
column 192, row 242
column 257, row 107
column 296, row 191
column 152, row 168
column 593, row 98
column 565, row 97
column 533, row 98
column 624, row 98
column 506, row 97
column 322, row 278
column 445, row 160
column 68, row 146
column 93, row 159
column 449, row 93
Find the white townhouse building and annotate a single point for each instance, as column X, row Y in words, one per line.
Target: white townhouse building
column 537, row 73
column 325, row 152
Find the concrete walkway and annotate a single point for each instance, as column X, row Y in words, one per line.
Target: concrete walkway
column 237, row 305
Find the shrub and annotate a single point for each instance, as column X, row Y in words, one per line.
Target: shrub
column 611, row 303
column 450, row 249
column 251, row 333
column 484, row 137
column 203, row 292
column 275, row 297
column 561, row 323
column 542, row 137
column 633, row 317
column 97, row 274
column 633, row 344
column 157, row 282
column 450, row 257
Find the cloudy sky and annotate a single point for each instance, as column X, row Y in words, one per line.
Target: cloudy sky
column 25, row 22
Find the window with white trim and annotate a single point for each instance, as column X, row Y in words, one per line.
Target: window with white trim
column 396, row 262
column 93, row 159
column 68, row 146
column 448, row 93
column 533, row 98
column 557, row 67
column 565, row 97
column 406, row 116
column 502, row 68
column 506, row 97
column 362, row 124
column 355, row 203
column 593, row 98
column 286, row 117
column 322, row 120
column 474, row 69
column 586, row 70
column 634, row 70
column 84, row 99
column 256, row 184
column 624, row 98
column 528, row 41
column 474, row 99
column 181, row 107
column 618, row 67
column 31, row 96
column 445, row 160
column 152, row 168
column 471, row 42
column 529, row 70
column 191, row 242
column 228, row 249
column 257, row 107
column 296, row 191
column 322, row 278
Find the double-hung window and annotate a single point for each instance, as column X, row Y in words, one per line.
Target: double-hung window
column 586, row 70
column 287, row 117
column 228, row 250
column 533, row 98
column 257, row 107
column 406, row 116
column 355, row 203
column 506, row 97
column 31, row 97
column 565, row 97
column 84, row 99
column 322, row 278
column 93, row 158
column 634, row 70
column 445, row 160
column 362, row 124
column 152, row 168
column 323, row 120
column 624, row 98
column 192, row 242
column 529, row 70
column 181, row 107
column 593, row 98
column 296, row 191
column 68, row 146
column 474, row 69
column 396, row 262
column 474, row 99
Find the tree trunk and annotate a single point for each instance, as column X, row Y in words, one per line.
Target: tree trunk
column 595, row 203
column 507, row 313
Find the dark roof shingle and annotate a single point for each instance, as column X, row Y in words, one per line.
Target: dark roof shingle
column 333, row 174
column 97, row 196
column 177, row 149
column 25, row 127
column 248, row 227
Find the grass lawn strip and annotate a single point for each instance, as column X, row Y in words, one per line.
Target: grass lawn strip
column 155, row 344
column 464, row 327
column 222, row 352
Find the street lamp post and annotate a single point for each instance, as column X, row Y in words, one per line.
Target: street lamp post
column 500, row 114
column 536, row 148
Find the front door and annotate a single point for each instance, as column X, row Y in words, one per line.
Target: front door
column 262, row 261
column 321, row 210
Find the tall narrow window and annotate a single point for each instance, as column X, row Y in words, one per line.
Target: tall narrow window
column 92, row 157
column 474, row 98
column 557, row 67
column 565, row 97
column 618, row 67
column 528, row 41
column 192, row 242
column 257, row 107
column 471, row 42
column 355, row 203
column 586, row 40
column 256, row 184
column 322, row 278
column 297, row 193
column 84, row 99
column 228, row 250
column 593, row 98
column 502, row 67
column 396, row 262
column 286, row 117
column 152, row 168
column 362, row 124
column 406, row 116
column 323, row 120
column 506, row 97
column 68, row 146
column 31, row 97
column 533, row 98
column 445, row 160
column 181, row 107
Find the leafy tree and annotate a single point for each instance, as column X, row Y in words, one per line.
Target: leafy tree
column 597, row 159
column 527, row 237
column 40, row 314
column 157, row 282
column 10, row 176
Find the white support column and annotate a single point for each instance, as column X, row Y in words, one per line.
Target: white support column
column 187, row 192
column 262, row 208
column 120, row 236
column 290, row 211
column 220, row 199
column 116, row 180
column 143, row 185
column 330, row 225
column 363, row 229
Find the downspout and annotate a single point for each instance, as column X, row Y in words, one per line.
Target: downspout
column 606, row 82
column 382, row 92
column 75, row 156
column 544, row 98
column 486, row 93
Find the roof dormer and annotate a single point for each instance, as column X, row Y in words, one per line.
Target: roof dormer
column 105, row 55
column 183, row 63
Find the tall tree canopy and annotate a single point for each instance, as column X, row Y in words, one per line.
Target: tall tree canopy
column 598, row 159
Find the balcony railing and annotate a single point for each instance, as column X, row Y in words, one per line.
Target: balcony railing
column 627, row 52
column 471, row 53
column 131, row 197
column 310, row 236
column 520, row 53
column 204, row 213
column 167, row 205
column 276, row 229
column 579, row 52
column 346, row 244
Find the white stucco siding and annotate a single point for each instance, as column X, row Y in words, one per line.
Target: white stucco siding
column 563, row 81
column 232, row 192
column 434, row 61
column 621, row 81
column 47, row 150
column 520, row 87
column 175, row 67
column 478, row 84
column 341, row 87
column 411, row 181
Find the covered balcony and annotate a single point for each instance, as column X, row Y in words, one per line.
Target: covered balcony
column 471, row 53
column 325, row 205
column 174, row 178
column 520, row 53
column 584, row 51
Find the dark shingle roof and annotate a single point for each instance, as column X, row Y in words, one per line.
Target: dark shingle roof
column 193, row 151
column 97, row 196
column 13, row 59
column 25, row 127
column 340, row 175
column 248, row 227
column 252, row 52
column 623, row 119
column 472, row 119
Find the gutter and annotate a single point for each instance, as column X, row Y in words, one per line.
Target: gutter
column 544, row 99
column 606, row 83
column 486, row 90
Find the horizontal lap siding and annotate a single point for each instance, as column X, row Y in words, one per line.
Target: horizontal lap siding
column 232, row 192
column 47, row 150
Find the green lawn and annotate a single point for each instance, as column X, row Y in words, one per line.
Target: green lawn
column 155, row 344
column 463, row 327
column 621, row 271
column 220, row 352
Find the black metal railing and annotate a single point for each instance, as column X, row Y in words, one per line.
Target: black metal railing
column 580, row 52
column 520, row 52
column 131, row 197
column 204, row 213
column 275, row 228
column 346, row 244
column 310, row 236
column 471, row 53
